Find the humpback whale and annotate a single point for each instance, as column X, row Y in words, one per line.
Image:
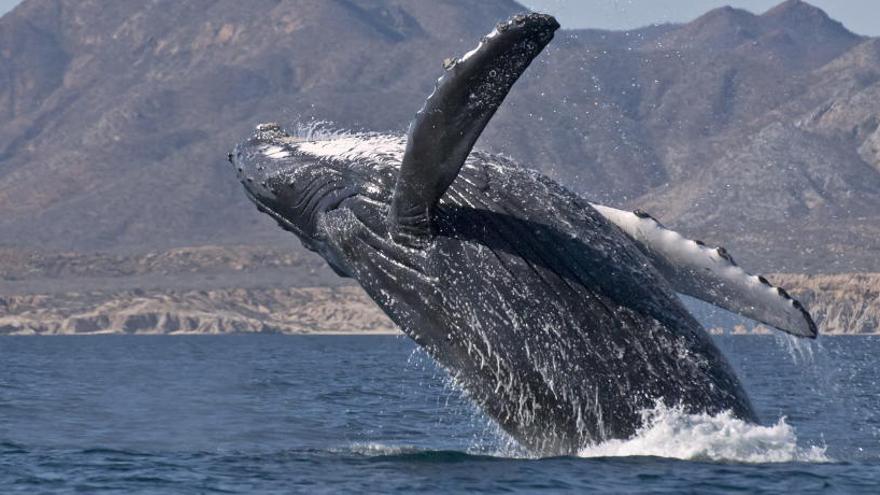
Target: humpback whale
column 558, row 317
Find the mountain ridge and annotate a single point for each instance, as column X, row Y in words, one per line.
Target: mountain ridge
column 755, row 131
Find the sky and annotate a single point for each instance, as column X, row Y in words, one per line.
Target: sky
column 859, row 16
column 6, row 5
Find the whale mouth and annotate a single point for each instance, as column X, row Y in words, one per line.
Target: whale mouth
column 279, row 218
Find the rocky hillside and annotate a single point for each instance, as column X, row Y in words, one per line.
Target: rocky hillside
column 757, row 132
column 208, row 289
column 842, row 304
column 187, row 268
column 307, row 310
column 117, row 117
column 104, row 300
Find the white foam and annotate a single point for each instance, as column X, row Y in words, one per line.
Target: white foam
column 669, row 432
column 373, row 449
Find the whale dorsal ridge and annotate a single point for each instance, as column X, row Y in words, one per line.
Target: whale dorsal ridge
column 443, row 132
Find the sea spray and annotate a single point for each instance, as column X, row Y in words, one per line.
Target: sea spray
column 800, row 350
column 486, row 437
column 670, row 432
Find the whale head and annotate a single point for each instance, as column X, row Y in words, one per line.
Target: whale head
column 295, row 176
column 286, row 182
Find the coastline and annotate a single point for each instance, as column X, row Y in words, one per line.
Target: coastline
column 216, row 290
column 842, row 306
column 322, row 333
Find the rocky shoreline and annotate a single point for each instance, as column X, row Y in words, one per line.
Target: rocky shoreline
column 191, row 290
column 235, row 289
column 219, row 311
column 845, row 304
column 841, row 304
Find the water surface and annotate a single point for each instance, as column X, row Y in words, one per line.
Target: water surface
column 324, row 414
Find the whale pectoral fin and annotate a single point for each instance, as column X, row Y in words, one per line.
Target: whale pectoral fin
column 443, row 132
column 710, row 274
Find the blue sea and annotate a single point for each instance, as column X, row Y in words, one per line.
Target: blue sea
column 351, row 414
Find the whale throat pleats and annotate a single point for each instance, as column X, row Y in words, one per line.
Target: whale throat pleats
column 444, row 131
column 711, row 275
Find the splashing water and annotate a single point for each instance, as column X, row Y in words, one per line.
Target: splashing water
column 799, row 350
column 667, row 432
column 376, row 449
column 670, row 432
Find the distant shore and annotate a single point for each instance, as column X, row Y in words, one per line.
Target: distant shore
column 212, row 290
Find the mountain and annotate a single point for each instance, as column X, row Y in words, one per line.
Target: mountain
column 758, row 132
column 118, row 117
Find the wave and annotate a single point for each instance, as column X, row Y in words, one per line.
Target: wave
column 672, row 433
column 374, row 449
column 414, row 454
column 668, row 432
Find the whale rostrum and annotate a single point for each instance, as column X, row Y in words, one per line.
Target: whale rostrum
column 558, row 317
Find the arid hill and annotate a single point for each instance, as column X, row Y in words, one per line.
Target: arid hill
column 118, row 212
column 759, row 132
column 235, row 289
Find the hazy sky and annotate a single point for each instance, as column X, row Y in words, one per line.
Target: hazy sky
column 6, row 5
column 858, row 15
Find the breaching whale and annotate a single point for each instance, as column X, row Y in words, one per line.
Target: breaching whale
column 556, row 316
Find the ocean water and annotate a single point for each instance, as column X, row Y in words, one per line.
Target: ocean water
column 351, row 414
